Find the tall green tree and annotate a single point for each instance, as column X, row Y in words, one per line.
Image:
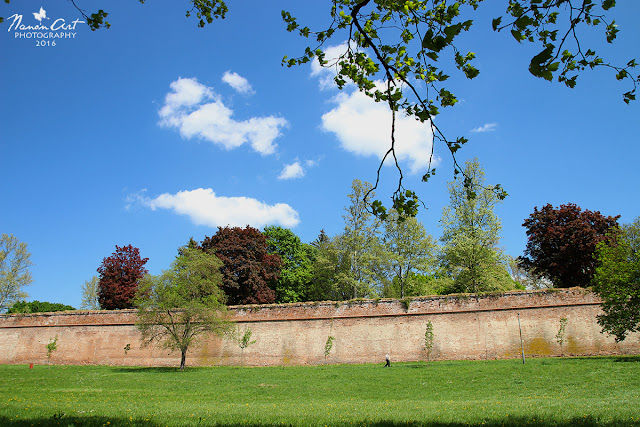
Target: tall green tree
column 14, row 270
column 330, row 271
column 297, row 261
column 360, row 244
column 526, row 278
column 183, row 304
column 471, row 235
column 90, row 294
column 409, row 250
column 617, row 281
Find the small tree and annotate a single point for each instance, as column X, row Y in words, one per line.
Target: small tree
column 428, row 340
column 119, row 277
column 560, row 334
column 183, row 303
column 14, row 270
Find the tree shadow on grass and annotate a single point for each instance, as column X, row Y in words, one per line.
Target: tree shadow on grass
column 97, row 421
column 146, row 369
column 627, row 359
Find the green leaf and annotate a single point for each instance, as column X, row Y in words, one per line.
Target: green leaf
column 621, row 75
column 496, row 23
column 433, row 43
column 517, row 35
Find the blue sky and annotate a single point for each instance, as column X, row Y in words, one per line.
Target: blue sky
column 155, row 131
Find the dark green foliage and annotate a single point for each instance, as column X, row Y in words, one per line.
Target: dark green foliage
column 37, row 307
column 617, row 281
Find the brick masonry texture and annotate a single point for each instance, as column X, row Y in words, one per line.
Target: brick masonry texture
column 465, row 327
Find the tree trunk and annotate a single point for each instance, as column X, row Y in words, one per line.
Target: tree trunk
column 183, row 358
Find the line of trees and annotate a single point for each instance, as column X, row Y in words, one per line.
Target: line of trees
column 397, row 257
column 372, row 257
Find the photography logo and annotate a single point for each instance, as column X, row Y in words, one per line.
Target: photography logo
column 46, row 32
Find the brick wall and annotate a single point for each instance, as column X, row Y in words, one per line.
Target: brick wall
column 465, row 327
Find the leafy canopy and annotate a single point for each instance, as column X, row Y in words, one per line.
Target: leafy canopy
column 409, row 249
column 403, row 53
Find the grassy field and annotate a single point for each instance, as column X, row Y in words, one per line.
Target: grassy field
column 559, row 392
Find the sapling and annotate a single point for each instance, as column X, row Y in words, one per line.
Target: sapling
column 428, row 340
column 245, row 341
column 560, row 335
column 328, row 345
column 51, row 347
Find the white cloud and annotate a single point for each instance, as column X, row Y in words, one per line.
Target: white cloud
column 237, row 82
column 326, row 74
column 487, row 127
column 203, row 207
column 292, row 171
column 196, row 111
column 363, row 127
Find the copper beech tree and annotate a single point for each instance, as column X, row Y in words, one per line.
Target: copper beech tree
column 119, row 276
column 562, row 243
column 249, row 273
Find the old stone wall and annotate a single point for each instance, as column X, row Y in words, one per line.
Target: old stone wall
column 465, row 327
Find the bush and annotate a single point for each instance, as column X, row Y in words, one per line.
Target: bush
column 37, row 307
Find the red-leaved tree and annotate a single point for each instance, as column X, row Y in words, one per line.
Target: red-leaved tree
column 562, row 242
column 119, row 276
column 249, row 272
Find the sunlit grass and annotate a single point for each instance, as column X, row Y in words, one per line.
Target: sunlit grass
column 561, row 392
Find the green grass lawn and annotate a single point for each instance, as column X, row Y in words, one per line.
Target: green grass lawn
column 560, row 392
